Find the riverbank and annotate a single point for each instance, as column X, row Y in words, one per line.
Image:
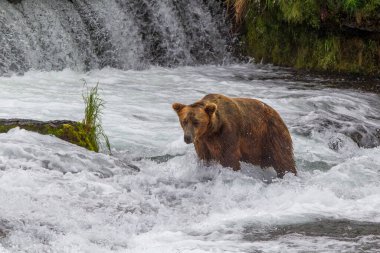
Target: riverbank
column 339, row 37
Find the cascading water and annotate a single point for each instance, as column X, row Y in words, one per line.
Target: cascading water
column 87, row 34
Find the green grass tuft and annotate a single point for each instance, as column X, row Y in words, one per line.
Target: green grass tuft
column 92, row 121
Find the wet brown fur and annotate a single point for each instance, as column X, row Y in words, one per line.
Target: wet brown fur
column 230, row 130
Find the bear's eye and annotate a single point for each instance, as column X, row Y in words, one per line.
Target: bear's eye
column 185, row 122
column 195, row 123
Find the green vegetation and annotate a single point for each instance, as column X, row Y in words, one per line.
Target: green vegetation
column 92, row 118
column 327, row 35
column 88, row 134
column 73, row 132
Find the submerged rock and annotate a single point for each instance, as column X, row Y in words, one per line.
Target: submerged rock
column 15, row 1
column 70, row 131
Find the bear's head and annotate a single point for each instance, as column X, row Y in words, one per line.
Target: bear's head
column 196, row 119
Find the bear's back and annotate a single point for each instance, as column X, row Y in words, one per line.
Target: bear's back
column 242, row 111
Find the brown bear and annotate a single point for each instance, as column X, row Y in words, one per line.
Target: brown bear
column 230, row 130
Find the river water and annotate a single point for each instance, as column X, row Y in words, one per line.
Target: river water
column 57, row 197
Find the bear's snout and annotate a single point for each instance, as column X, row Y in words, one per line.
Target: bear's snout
column 188, row 139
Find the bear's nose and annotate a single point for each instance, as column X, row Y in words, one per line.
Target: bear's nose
column 188, row 139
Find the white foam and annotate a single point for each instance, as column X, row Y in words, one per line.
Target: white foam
column 61, row 198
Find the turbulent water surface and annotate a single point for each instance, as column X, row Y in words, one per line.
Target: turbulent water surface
column 56, row 197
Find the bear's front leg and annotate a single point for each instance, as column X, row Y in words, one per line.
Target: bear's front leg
column 203, row 152
column 231, row 158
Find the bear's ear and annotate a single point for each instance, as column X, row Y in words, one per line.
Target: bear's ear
column 178, row 107
column 210, row 108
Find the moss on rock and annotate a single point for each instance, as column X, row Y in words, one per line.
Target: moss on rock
column 71, row 131
column 303, row 49
column 335, row 36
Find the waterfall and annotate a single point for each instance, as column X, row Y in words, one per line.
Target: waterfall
column 126, row 34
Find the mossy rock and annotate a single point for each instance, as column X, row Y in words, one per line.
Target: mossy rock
column 70, row 131
column 310, row 35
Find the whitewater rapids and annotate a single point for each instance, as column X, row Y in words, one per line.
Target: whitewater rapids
column 57, row 197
